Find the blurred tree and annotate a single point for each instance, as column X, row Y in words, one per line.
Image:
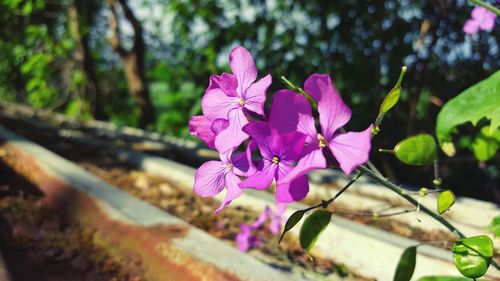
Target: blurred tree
column 133, row 61
column 81, row 15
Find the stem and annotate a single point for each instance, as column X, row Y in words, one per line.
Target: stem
column 373, row 168
column 486, row 5
column 300, row 91
column 410, row 199
column 373, row 214
column 326, row 203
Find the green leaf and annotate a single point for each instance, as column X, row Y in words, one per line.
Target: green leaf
column 495, row 226
column 312, row 228
column 291, row 222
column 486, row 144
column 390, row 100
column 416, row 150
column 482, row 100
column 406, row 265
column 444, row 278
column 473, row 255
column 392, row 97
column 445, row 200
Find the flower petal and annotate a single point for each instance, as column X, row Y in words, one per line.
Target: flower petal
column 351, row 149
column 233, row 135
column 333, row 112
column 291, row 146
column 313, row 160
column 226, row 82
column 291, row 112
column 261, row 179
column 241, row 164
column 200, row 126
column 233, row 190
column 216, row 104
column 255, row 95
column 478, row 13
column 261, row 220
column 243, row 68
column 219, row 125
column 261, row 134
column 488, row 22
column 209, row 179
column 295, row 190
column 471, row 27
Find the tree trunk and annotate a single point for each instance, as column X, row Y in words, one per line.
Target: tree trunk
column 133, row 61
column 79, row 17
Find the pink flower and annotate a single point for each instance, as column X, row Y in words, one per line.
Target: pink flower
column 481, row 19
column 291, row 112
column 247, row 240
column 228, row 95
column 211, row 178
column 206, row 129
column 279, row 154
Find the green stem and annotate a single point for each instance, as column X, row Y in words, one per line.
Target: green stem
column 401, row 75
column 300, row 91
column 402, row 193
column 487, row 6
column 374, row 215
column 326, row 203
column 410, row 199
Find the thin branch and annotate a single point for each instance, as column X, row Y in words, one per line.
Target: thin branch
column 487, row 6
column 375, row 215
column 404, row 194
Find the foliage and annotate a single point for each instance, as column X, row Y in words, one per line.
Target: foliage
column 473, row 255
column 406, row 264
column 482, row 100
column 445, row 200
column 33, row 58
column 416, row 150
column 312, row 227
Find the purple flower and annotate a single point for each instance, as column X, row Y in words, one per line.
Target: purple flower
column 229, row 94
column 279, row 153
column 277, row 218
column 245, row 238
column 211, row 178
column 481, row 19
column 291, row 112
column 206, row 129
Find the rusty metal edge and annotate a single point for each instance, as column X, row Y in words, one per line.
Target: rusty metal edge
column 156, row 236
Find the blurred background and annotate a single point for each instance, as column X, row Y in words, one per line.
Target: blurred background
column 146, row 63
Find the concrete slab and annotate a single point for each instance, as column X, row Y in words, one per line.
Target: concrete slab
column 169, row 248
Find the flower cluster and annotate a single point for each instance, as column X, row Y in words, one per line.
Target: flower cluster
column 480, row 19
column 286, row 139
column 246, row 238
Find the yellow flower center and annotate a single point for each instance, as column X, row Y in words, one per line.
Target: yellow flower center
column 322, row 141
column 276, row 159
column 230, row 166
column 242, row 102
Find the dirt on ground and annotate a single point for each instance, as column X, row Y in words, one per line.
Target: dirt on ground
column 40, row 244
column 191, row 208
